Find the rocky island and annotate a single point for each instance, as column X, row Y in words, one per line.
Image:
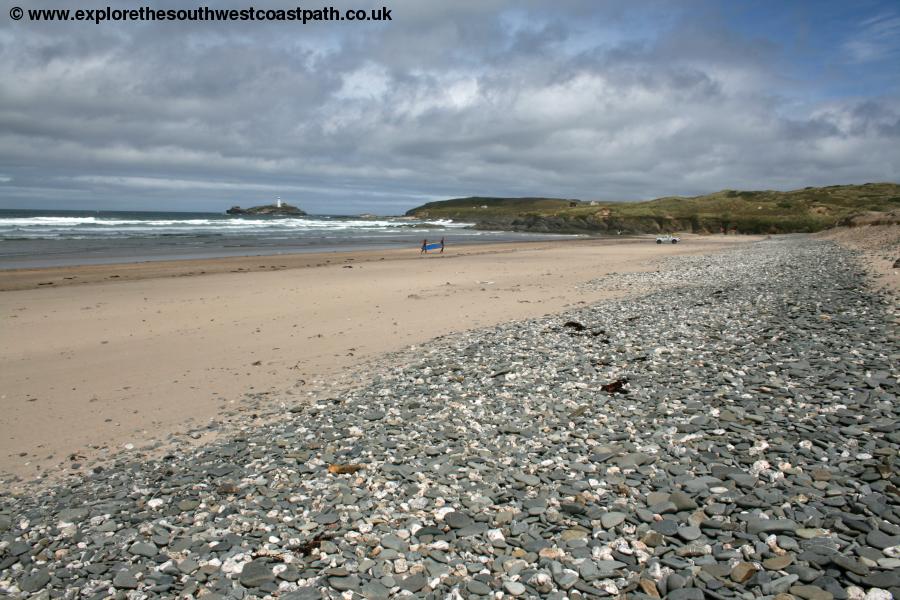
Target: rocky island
column 269, row 210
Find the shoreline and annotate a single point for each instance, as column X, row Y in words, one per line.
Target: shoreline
column 89, row 273
column 605, row 448
column 162, row 351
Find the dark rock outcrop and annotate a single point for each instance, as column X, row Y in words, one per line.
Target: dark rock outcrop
column 285, row 210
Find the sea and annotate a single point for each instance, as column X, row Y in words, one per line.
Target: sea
column 38, row 238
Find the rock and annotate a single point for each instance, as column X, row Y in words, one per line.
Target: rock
column 810, row 592
column 375, row 590
column 742, row 572
column 478, row 588
column 685, row 594
column 807, row 533
column 526, row 478
column 690, row 533
column 394, row 543
column 756, row 525
column 612, row 519
column 682, row 501
column 648, row 586
column 303, row 593
column 414, row 583
column 883, row 579
column 35, row 581
column 882, row 541
column 779, row 585
column 653, row 539
column 566, row 578
column 666, row 527
column 282, row 209
column 256, row 573
column 143, row 549
column 344, row 583
column 848, row 564
column 514, row 588
column 125, row 580
column 458, row 520
column 777, row 563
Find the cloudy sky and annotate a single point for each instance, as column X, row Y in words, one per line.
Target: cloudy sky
column 580, row 99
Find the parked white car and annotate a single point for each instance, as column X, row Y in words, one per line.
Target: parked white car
column 667, row 239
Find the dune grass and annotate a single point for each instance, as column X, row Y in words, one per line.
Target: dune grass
column 805, row 210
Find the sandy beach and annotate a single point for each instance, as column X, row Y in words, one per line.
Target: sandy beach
column 107, row 356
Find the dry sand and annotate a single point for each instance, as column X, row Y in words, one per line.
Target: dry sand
column 879, row 246
column 114, row 355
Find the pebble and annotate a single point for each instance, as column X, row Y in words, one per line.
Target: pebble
column 125, row 580
column 612, row 519
column 742, row 571
column 256, row 573
column 35, row 581
column 514, row 588
column 726, row 433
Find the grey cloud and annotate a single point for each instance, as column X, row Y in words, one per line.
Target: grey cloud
column 449, row 99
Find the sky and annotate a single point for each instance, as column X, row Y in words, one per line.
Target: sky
column 611, row 100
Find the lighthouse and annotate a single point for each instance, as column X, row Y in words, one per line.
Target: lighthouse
column 278, row 202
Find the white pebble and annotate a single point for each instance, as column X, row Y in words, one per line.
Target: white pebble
column 495, row 535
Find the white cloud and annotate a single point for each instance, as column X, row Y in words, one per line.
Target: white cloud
column 450, row 99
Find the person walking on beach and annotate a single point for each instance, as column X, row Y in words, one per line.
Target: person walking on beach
column 424, row 247
column 442, row 245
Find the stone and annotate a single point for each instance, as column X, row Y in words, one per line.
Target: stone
column 777, row 563
column 882, row 541
column 375, row 590
column 565, row 578
column 756, row 525
column 682, row 501
column 478, row 588
column 143, row 549
column 514, row 588
column 849, row 564
column 35, row 581
column 256, row 573
column 666, row 527
column 883, row 579
column 742, row 572
column 685, row 594
column 344, row 583
column 612, row 519
column 690, row 533
column 414, row 583
column 394, row 543
column 810, row 592
column 125, row 580
column 648, row 586
column 458, row 520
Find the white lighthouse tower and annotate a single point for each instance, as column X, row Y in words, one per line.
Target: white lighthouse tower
column 278, row 202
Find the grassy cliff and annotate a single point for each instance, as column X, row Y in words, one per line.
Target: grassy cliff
column 806, row 210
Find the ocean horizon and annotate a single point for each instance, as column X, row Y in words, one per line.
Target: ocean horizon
column 45, row 238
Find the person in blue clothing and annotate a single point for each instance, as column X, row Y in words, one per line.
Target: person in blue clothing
column 424, row 247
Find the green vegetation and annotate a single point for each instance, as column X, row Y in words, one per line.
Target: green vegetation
column 806, row 210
